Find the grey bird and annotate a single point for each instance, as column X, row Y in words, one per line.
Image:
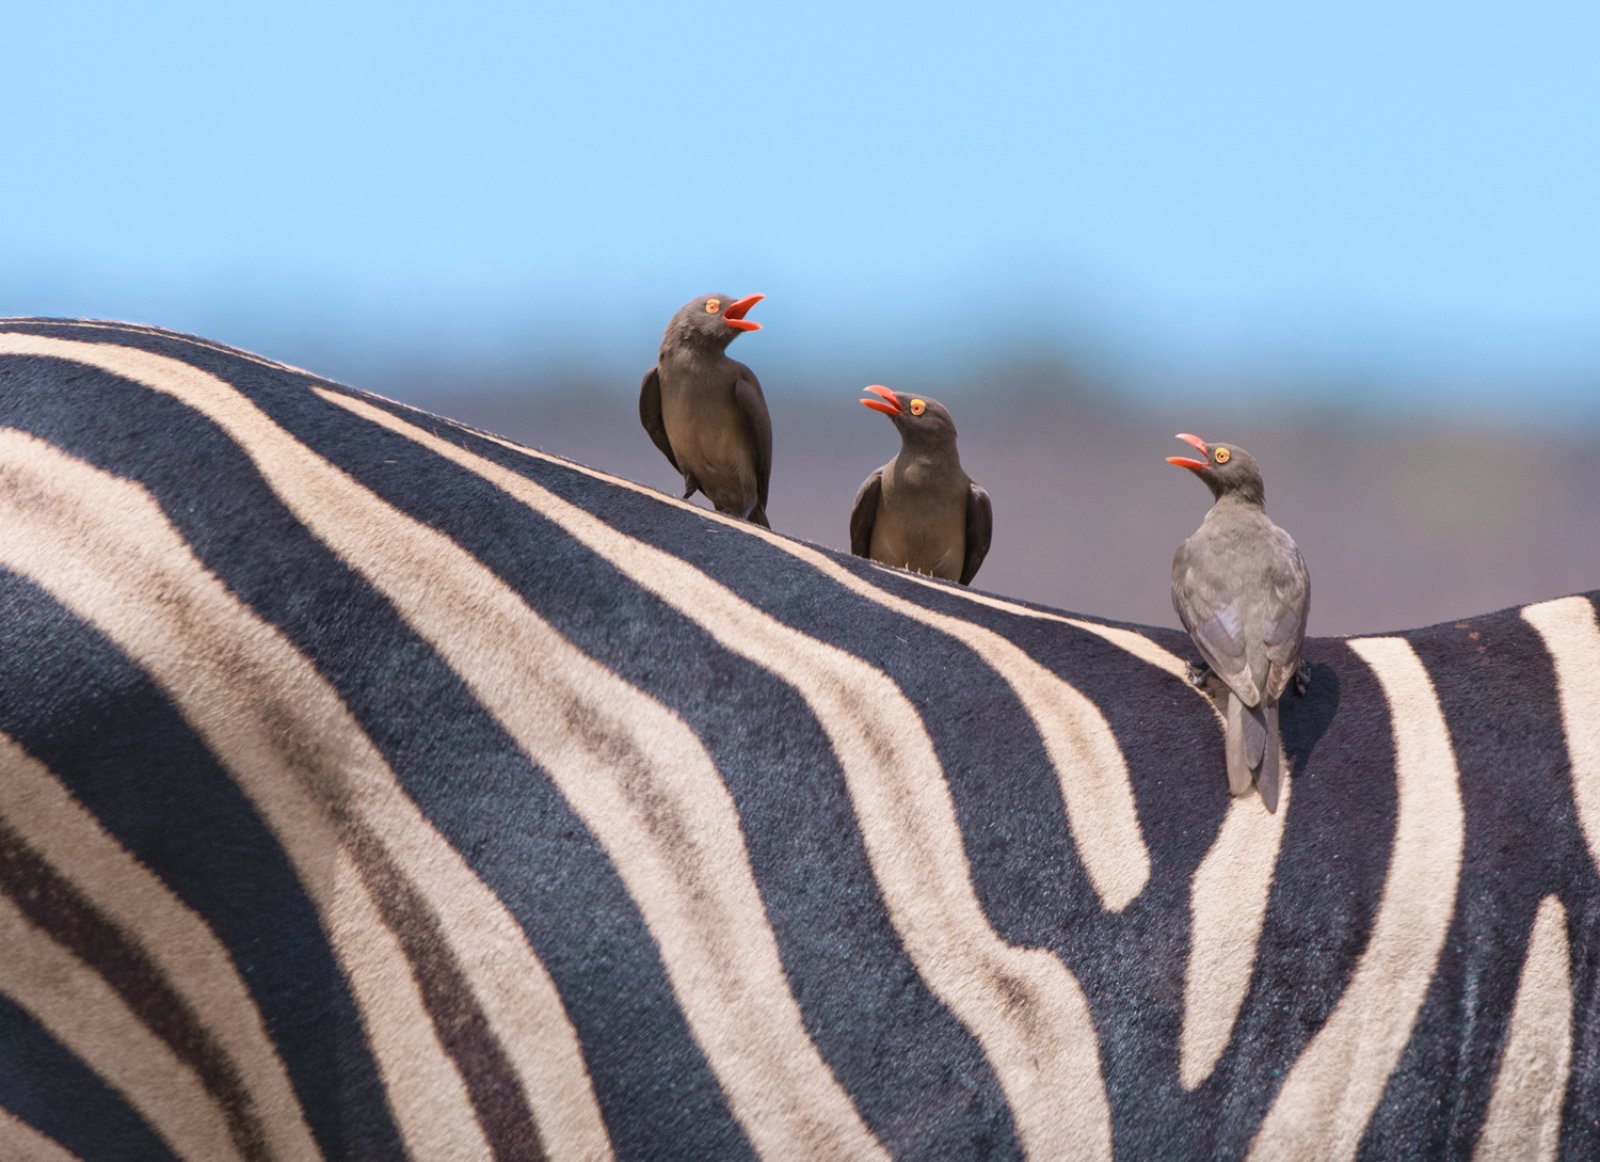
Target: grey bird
column 1242, row 591
column 920, row 510
column 706, row 412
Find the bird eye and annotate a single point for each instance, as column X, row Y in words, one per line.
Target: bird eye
column 713, row 306
column 1222, row 455
column 918, row 407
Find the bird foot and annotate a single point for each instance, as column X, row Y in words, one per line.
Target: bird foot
column 1197, row 674
column 1302, row 677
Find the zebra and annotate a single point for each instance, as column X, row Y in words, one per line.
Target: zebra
column 375, row 787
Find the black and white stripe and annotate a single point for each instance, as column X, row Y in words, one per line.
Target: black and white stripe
column 371, row 787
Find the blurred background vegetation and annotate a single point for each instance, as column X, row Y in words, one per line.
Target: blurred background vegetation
column 1361, row 242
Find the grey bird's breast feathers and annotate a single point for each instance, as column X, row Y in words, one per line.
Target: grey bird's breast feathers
column 922, row 517
column 707, row 429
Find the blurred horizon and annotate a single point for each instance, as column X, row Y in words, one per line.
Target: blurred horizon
column 1403, row 522
column 615, row 348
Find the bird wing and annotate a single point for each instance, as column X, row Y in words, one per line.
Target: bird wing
column 1212, row 614
column 1288, row 602
column 753, row 406
column 980, row 527
column 864, row 513
column 650, row 413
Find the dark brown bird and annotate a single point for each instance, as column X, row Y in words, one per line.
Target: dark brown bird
column 706, row 412
column 920, row 510
column 1242, row 591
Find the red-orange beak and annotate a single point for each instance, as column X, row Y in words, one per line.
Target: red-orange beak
column 1185, row 462
column 733, row 314
column 889, row 405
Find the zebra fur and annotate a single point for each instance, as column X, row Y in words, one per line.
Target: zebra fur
column 372, row 787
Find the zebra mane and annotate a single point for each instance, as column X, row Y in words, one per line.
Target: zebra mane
column 373, row 786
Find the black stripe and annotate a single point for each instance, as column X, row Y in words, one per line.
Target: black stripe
column 54, row 905
column 123, row 752
column 1496, row 685
column 45, row 1085
column 1580, row 1127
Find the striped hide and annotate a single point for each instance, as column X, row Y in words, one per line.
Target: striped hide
column 371, row 788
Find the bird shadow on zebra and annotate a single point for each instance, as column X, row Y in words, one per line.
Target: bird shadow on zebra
column 1307, row 718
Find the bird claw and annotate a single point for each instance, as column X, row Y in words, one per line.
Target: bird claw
column 1302, row 677
column 1197, row 675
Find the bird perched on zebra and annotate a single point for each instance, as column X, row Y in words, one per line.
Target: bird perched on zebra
column 706, row 412
column 920, row 510
column 1242, row 591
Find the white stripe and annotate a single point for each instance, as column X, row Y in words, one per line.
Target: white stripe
column 1523, row 1123
column 1333, row 1089
column 1572, row 637
column 104, row 549
column 83, row 1013
column 1090, row 771
column 1227, row 908
column 634, row 772
column 1025, row 1008
column 191, row 959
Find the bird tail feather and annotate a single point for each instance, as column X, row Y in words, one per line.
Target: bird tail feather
column 1271, row 767
column 758, row 515
column 1239, row 774
column 1255, row 736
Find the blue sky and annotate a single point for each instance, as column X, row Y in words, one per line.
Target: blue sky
column 1408, row 195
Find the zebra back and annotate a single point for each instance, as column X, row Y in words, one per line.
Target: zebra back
column 373, row 787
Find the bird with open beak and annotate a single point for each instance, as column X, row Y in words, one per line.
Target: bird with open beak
column 1242, row 591
column 920, row 510
column 706, row 412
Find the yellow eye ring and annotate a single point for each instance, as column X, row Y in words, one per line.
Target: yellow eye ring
column 918, row 407
column 713, row 306
column 1222, row 455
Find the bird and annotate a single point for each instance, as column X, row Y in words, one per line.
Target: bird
column 1241, row 589
column 920, row 510
column 706, row 412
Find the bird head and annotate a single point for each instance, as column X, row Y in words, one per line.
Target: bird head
column 712, row 320
column 1227, row 469
column 920, row 420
